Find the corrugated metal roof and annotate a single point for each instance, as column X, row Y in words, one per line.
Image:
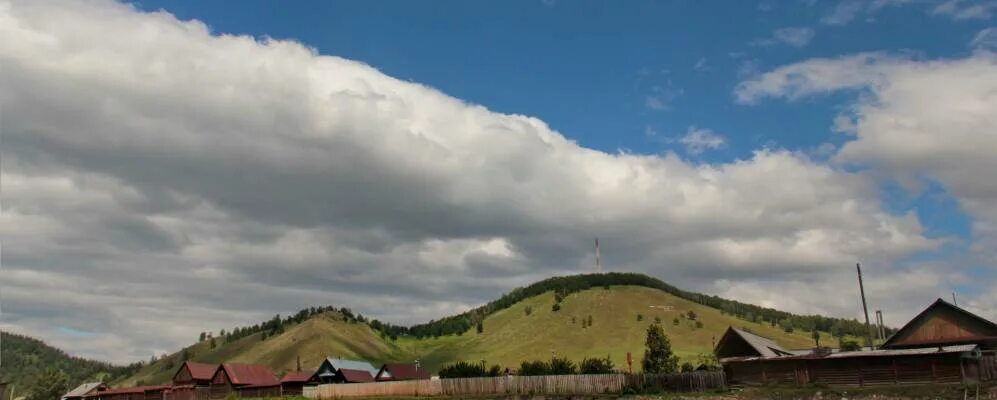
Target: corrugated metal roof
column 356, row 376
column 83, row 389
column 250, row 374
column 763, row 345
column 134, row 389
column 300, row 376
column 402, row 372
column 339, row 363
column 867, row 353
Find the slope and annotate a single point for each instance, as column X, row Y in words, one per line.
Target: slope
column 509, row 335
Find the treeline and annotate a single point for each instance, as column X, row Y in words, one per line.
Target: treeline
column 42, row 372
column 565, row 285
column 554, row 366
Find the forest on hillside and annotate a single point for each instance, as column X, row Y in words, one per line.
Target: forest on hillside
column 39, row 371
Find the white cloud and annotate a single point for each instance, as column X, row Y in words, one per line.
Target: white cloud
column 846, row 11
column 697, row 140
column 151, row 168
column 966, row 10
column 791, row 36
column 919, row 120
column 985, row 39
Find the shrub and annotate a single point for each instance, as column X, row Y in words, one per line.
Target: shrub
column 687, row 367
column 562, row 366
column 528, row 310
column 556, row 307
column 464, row 369
column 640, row 317
column 596, row 366
column 532, row 368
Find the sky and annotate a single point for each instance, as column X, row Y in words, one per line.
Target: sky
column 172, row 167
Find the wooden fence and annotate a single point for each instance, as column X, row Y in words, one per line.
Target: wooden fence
column 526, row 385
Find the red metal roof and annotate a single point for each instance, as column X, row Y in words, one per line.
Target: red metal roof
column 356, row 376
column 250, row 374
column 402, row 372
column 201, row 371
column 300, row 376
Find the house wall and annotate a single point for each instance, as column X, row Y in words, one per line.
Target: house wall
column 859, row 371
column 943, row 326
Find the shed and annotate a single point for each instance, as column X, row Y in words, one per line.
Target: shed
column 293, row 383
column 156, row 392
column 194, row 373
column 401, row 372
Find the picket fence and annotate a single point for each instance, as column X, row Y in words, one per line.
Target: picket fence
column 526, row 385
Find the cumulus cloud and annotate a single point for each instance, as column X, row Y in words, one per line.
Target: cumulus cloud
column 697, row 140
column 916, row 122
column 153, row 168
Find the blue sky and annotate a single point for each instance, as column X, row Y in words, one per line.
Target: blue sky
column 411, row 160
column 632, row 76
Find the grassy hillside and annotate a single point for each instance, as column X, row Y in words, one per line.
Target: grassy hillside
column 509, row 335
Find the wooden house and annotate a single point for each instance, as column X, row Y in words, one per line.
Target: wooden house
column 192, row 381
column 401, row 372
column 944, row 324
column 328, row 371
column 293, row 383
column 942, row 344
column 84, row 390
column 246, row 380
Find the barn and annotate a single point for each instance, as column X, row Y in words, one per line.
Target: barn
column 401, row 372
column 246, row 380
column 942, row 344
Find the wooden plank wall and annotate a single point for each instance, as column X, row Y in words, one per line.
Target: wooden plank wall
column 525, row 385
column 988, row 366
column 866, row 371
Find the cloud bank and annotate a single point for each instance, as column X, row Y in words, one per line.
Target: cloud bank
column 161, row 179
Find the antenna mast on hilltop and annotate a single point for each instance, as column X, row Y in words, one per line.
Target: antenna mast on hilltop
column 598, row 261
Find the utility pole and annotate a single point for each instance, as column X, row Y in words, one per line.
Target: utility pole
column 879, row 325
column 954, row 302
column 598, row 261
column 868, row 329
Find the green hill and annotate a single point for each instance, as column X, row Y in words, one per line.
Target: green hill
column 510, row 334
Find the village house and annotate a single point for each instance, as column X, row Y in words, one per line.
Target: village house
column 293, row 383
column 84, row 390
column 338, row 370
column 192, row 381
column 401, row 372
column 245, row 380
column 942, row 344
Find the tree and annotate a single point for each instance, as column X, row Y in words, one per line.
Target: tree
column 658, row 356
column 675, row 321
column 590, row 320
column 850, row 345
column 528, row 310
column 204, row 335
column 481, row 327
column 51, row 384
column 692, row 315
column 556, row 307
column 596, row 366
column 640, row 317
column 211, row 343
column 184, row 355
column 657, row 320
column 816, row 336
